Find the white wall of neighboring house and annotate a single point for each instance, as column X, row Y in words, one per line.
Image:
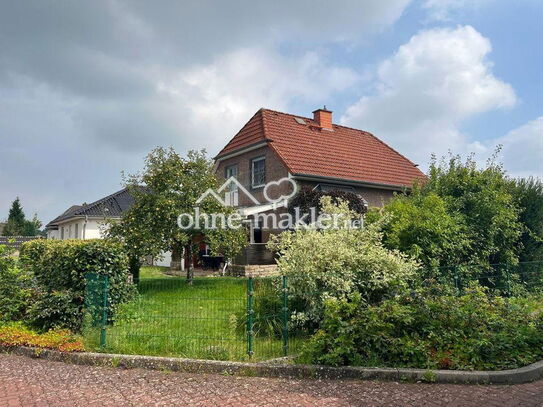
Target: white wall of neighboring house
column 165, row 262
column 53, row 234
column 78, row 228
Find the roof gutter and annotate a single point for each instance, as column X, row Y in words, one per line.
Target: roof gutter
column 343, row 181
column 86, row 217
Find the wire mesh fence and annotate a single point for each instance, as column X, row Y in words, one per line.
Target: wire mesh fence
column 246, row 319
column 500, row 279
column 214, row 318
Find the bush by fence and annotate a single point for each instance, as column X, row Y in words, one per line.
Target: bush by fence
column 15, row 288
column 59, row 268
column 432, row 328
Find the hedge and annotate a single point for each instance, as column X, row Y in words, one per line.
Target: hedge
column 59, row 268
column 15, row 287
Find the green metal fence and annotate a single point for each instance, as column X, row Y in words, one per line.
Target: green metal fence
column 501, row 279
column 246, row 319
column 214, row 318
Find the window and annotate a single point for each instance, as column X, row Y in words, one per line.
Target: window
column 84, row 230
column 62, row 232
column 256, row 233
column 231, row 171
column 258, row 172
column 76, row 231
column 232, row 193
column 331, row 187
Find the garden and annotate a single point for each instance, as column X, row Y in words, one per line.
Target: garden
column 447, row 276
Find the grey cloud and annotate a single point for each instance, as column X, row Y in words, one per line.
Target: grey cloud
column 78, row 82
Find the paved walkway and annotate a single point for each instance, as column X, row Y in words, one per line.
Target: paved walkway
column 35, row 382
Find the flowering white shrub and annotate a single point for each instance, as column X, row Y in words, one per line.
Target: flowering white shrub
column 337, row 262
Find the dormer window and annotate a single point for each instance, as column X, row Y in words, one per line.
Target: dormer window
column 258, row 172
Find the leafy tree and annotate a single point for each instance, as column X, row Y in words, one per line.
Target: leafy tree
column 169, row 186
column 32, row 227
column 424, row 227
column 529, row 195
column 483, row 198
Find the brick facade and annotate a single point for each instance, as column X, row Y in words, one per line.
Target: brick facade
column 275, row 170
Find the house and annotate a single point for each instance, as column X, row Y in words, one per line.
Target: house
column 88, row 221
column 314, row 152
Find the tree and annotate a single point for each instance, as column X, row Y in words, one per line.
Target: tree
column 16, row 220
column 18, row 225
column 484, row 199
column 529, row 195
column 169, row 186
column 424, row 227
column 32, row 227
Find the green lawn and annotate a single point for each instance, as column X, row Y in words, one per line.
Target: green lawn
column 172, row 318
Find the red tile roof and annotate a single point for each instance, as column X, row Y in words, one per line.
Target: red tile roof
column 343, row 153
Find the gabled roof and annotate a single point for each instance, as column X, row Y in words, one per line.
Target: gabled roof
column 307, row 149
column 112, row 206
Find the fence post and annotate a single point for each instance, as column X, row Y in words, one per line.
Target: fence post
column 456, row 280
column 250, row 315
column 507, row 280
column 105, row 292
column 285, row 316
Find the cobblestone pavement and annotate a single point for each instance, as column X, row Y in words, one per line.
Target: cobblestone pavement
column 35, row 382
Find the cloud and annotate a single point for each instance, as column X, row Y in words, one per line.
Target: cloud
column 88, row 88
column 443, row 10
column 522, row 149
column 428, row 88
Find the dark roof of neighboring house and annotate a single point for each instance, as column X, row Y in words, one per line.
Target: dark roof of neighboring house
column 17, row 240
column 112, row 206
column 307, row 149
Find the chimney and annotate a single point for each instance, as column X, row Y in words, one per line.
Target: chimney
column 323, row 117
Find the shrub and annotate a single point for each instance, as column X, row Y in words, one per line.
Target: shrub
column 18, row 335
column 483, row 198
column 424, row 227
column 59, row 268
column 431, row 329
column 335, row 263
column 15, row 288
column 529, row 195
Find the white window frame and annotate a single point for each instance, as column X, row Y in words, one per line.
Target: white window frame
column 253, row 161
column 232, row 195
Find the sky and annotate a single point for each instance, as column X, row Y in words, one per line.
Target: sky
column 87, row 89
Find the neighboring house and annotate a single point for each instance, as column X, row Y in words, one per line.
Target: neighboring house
column 88, row 221
column 314, row 152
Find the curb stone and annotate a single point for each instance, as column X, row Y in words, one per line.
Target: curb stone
column 525, row 374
